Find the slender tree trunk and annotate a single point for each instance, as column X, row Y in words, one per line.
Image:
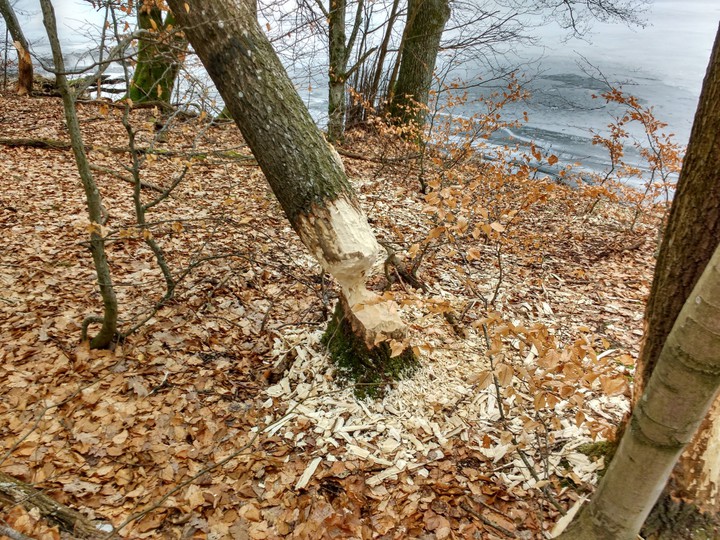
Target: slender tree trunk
column 379, row 66
column 679, row 393
column 303, row 170
column 160, row 55
column 691, row 238
column 692, row 235
column 337, row 55
column 94, row 203
column 426, row 22
column 25, row 67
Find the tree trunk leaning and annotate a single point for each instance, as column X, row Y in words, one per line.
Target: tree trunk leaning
column 691, row 237
column 681, row 389
column 25, row 67
column 425, row 24
column 303, row 170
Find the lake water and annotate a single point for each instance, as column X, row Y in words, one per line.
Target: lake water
column 663, row 64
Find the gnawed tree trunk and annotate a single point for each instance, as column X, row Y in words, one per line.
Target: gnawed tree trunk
column 679, row 393
column 94, row 203
column 160, row 55
column 25, row 67
column 421, row 42
column 692, row 235
column 303, row 170
column 690, row 501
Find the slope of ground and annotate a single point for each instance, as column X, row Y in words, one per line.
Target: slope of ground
column 220, row 417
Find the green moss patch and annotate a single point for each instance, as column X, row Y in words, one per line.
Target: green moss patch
column 370, row 370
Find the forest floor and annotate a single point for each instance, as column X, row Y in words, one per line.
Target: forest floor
column 220, row 417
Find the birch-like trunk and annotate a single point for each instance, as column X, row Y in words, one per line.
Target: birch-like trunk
column 690, row 240
column 303, row 170
column 25, row 67
column 691, row 237
column 681, row 389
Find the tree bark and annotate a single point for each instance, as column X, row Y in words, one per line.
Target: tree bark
column 380, row 65
column 691, row 237
column 679, row 393
column 160, row 55
column 338, row 56
column 337, row 60
column 94, row 203
column 14, row 491
column 303, row 170
column 425, row 24
column 25, row 67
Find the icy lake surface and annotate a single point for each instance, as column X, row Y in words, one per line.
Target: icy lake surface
column 663, row 64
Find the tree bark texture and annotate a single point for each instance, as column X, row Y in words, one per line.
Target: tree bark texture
column 97, row 243
column 160, row 55
column 303, row 170
column 337, row 56
column 14, row 491
column 425, row 24
column 25, row 66
column 691, row 237
column 681, row 389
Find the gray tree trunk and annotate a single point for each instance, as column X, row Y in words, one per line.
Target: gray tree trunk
column 97, row 243
column 303, row 170
column 689, row 244
column 337, row 56
column 680, row 392
column 25, row 67
column 691, row 237
column 425, row 24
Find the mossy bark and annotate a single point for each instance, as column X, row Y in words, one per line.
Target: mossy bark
column 160, row 55
column 303, row 170
column 371, row 369
column 108, row 331
column 425, row 24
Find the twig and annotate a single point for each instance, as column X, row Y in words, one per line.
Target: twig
column 374, row 159
column 6, row 530
column 124, row 178
column 486, row 521
column 157, row 504
column 503, row 420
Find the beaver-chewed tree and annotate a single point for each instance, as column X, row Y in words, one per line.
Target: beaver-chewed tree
column 306, row 175
column 25, row 66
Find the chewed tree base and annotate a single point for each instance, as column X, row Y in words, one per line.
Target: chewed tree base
column 671, row 519
column 371, row 370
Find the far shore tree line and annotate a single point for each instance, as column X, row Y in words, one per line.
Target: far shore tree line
column 391, row 61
